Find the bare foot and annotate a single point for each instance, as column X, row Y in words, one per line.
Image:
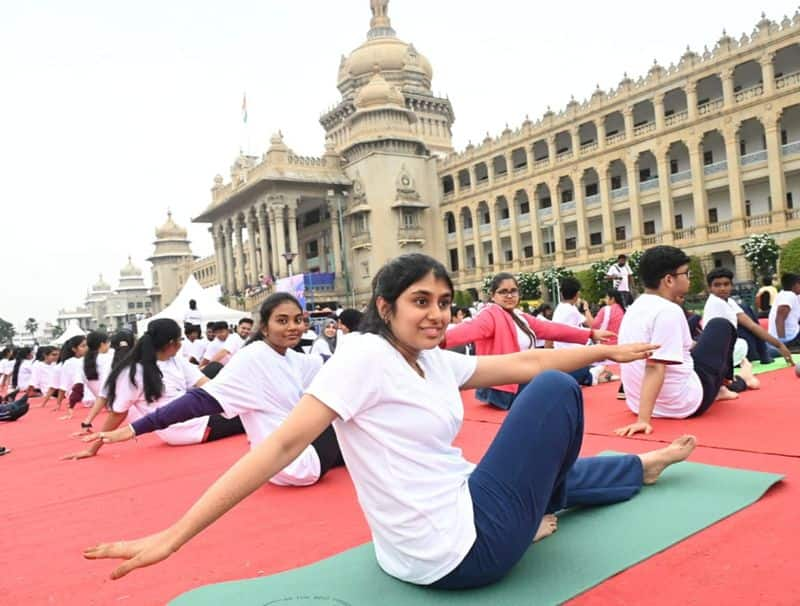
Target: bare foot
column 656, row 461
column 726, row 394
column 547, row 526
column 746, row 372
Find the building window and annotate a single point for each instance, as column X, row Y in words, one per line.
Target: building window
column 508, row 255
column 139, row 305
column 312, row 249
column 644, row 174
column 673, row 167
column 596, row 239
column 708, row 157
column 549, row 248
column 467, row 221
column 747, row 208
column 453, row 259
column 490, row 258
column 570, row 243
column 678, row 221
column 524, row 208
column 620, row 233
column 311, row 218
column 410, row 218
column 649, row 228
column 131, row 305
column 360, row 225
column 566, row 196
column 504, row 214
column 616, row 182
column 527, row 251
column 545, row 202
column 451, row 224
column 789, row 201
column 742, row 147
column 713, row 216
column 485, row 218
column 784, row 137
column 365, row 269
column 591, row 189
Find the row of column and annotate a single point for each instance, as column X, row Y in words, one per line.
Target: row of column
column 699, row 197
column 690, row 89
column 267, row 227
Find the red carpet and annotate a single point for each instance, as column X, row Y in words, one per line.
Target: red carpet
column 53, row 509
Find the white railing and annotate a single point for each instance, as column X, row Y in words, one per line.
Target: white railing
column 644, row 128
column 749, row 93
column 519, row 169
column 683, row 175
column 754, row 157
column 524, row 219
column 485, row 228
column 592, row 200
column 597, row 249
column 503, row 223
column 719, row 228
column 483, row 184
column 687, row 233
column 615, row 138
column 676, row 118
column 570, row 254
column 617, row 194
column 564, row 156
column 501, row 176
column 716, row 167
column 541, row 163
column 649, row 184
column 792, row 214
column 710, row 106
column 451, row 236
column 793, row 147
column 545, row 212
column 588, row 147
column 623, row 244
column 788, row 80
column 568, row 206
column 758, row 220
column 468, row 232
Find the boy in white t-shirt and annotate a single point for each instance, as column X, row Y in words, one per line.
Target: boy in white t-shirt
column 784, row 316
column 681, row 379
column 223, row 347
column 620, row 276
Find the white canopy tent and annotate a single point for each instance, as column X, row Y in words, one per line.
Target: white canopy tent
column 72, row 330
column 207, row 304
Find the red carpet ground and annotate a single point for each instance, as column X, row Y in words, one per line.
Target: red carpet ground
column 53, row 509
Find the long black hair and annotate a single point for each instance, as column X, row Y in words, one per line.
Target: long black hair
column 521, row 324
column 158, row 335
column 43, row 352
column 67, row 350
column 391, row 281
column 267, row 307
column 613, row 293
column 122, row 341
column 22, row 354
column 93, row 341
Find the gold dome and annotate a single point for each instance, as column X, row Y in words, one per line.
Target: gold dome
column 101, row 285
column 130, row 270
column 170, row 230
column 378, row 93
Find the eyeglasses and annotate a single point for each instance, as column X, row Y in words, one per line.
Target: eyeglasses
column 508, row 292
column 687, row 273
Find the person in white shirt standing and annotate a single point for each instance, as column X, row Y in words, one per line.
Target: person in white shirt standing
column 681, row 379
column 620, row 275
column 784, row 317
column 193, row 315
column 392, row 395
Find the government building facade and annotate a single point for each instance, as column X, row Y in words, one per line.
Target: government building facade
column 699, row 155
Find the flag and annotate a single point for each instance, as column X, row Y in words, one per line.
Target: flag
column 244, row 108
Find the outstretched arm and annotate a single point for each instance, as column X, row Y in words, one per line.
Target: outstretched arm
column 307, row 421
column 755, row 328
column 112, row 421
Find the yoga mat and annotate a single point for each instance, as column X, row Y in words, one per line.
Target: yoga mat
column 591, row 545
column 777, row 364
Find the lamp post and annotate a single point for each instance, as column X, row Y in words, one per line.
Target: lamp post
column 289, row 256
column 342, row 247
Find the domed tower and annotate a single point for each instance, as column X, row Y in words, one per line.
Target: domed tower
column 171, row 263
column 96, row 301
column 404, row 68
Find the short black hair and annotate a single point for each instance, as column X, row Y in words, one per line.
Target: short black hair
column 658, row 262
column 211, row 325
column 789, row 280
column 570, row 287
column 717, row 273
column 351, row 318
column 221, row 325
column 246, row 321
column 192, row 304
column 622, row 256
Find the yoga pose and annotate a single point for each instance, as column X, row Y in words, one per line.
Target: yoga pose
column 151, row 376
column 393, row 396
column 681, row 379
column 261, row 384
column 501, row 328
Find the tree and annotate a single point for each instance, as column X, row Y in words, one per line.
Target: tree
column 530, row 286
column 697, row 283
column 31, row 325
column 790, row 257
column 553, row 276
column 762, row 253
column 462, row 298
column 7, row 332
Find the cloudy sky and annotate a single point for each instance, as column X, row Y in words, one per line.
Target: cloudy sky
column 112, row 112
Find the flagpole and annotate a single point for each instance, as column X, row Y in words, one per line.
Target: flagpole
column 244, row 122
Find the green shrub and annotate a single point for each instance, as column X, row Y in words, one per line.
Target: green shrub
column 790, row 257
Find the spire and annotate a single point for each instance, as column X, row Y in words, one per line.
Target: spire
column 380, row 24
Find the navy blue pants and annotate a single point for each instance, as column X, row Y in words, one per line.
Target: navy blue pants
column 504, row 399
column 532, row 468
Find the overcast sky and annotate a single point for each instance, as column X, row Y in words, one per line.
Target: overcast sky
column 112, row 112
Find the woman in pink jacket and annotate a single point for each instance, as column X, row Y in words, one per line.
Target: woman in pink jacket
column 501, row 328
column 610, row 316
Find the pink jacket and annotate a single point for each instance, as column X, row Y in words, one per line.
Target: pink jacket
column 609, row 318
column 494, row 332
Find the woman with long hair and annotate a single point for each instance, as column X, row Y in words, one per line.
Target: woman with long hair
column 610, row 315
column 23, row 365
column 6, row 366
column 42, row 370
column 96, row 362
column 501, row 328
column 393, row 396
column 70, row 378
column 262, row 383
column 325, row 344
column 150, row 377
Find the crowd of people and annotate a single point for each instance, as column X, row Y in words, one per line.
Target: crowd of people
column 379, row 390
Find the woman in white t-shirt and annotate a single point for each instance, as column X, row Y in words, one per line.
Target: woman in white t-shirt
column 262, row 384
column 68, row 373
column 6, row 366
column 151, row 377
column 325, row 344
column 393, row 396
column 42, row 370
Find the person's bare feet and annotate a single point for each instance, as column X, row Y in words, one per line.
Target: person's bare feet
column 726, row 394
column 547, row 526
column 746, row 372
column 656, row 461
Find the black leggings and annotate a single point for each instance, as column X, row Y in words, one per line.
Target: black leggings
column 327, row 447
column 219, row 427
column 713, row 359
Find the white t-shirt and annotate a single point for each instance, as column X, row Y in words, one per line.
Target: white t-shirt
column 263, row 387
column 321, row 348
column 40, row 375
column 193, row 316
column 791, row 327
column 6, row 367
column 71, row 373
column 567, row 313
column 178, row 377
column 232, row 344
column 194, row 349
column 396, row 432
column 621, row 276
column 103, row 369
column 24, row 373
column 55, row 375
column 717, row 307
column 309, row 335
column 654, row 319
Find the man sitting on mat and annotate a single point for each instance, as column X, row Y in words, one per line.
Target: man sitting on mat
column 784, row 317
column 720, row 305
column 677, row 381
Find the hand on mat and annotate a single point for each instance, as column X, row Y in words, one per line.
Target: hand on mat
column 137, row 553
column 600, row 335
column 786, row 354
column 82, row 454
column 109, row 437
column 83, row 432
column 634, row 428
column 631, row 352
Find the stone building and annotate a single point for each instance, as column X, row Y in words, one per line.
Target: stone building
column 172, row 263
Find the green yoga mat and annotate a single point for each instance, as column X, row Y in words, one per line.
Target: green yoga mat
column 777, row 364
column 591, row 545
